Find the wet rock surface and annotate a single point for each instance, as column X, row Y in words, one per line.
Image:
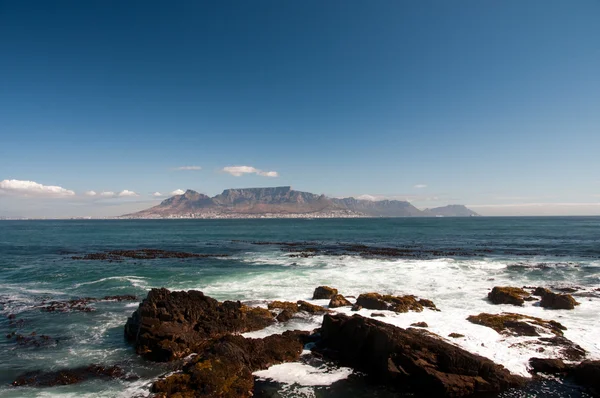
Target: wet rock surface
column 311, row 308
column 142, row 254
column 324, row 293
column 410, row 359
column 557, row 301
column 339, row 301
column 517, row 324
column 508, row 295
column 68, row 376
column 376, row 301
column 224, row 368
column 171, row 325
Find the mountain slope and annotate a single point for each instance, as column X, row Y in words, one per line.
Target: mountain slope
column 450, row 211
column 380, row 208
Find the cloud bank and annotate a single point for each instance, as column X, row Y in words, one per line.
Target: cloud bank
column 178, row 192
column 238, row 171
column 31, row 188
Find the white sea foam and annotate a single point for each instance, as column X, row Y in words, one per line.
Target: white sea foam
column 303, row 374
column 136, row 281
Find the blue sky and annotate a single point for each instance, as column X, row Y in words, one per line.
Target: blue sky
column 490, row 104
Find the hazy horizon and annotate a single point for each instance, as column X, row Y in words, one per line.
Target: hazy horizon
column 108, row 108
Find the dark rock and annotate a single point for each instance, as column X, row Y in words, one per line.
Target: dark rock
column 555, row 301
column 311, row 308
column 68, row 376
column 587, row 373
column 171, row 325
column 224, row 368
column 558, row 301
column 507, row 295
column 283, row 305
column 378, row 314
column 142, row 254
column 410, row 359
column 547, row 365
column 339, row 301
column 567, row 349
column 456, row 335
column 356, row 307
column 376, row 301
column 516, row 324
column 124, row 297
column 284, row 316
column 420, row 324
column 541, row 291
column 324, row 292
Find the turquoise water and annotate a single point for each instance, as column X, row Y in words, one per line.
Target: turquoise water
column 453, row 261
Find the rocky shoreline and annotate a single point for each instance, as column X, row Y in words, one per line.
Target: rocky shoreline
column 202, row 339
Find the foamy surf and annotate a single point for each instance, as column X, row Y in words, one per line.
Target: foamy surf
column 459, row 288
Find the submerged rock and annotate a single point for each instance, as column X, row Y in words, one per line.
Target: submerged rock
column 171, row 325
column 420, row 324
column 456, row 335
column 376, row 301
column 508, row 295
column 339, row 301
column 517, row 324
column 410, row 359
column 324, row 292
column 224, row 368
column 68, row 376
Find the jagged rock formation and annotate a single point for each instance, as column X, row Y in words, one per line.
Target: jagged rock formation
column 171, row 325
column 410, row 359
column 282, row 201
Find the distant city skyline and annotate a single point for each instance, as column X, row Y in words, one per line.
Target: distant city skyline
column 110, row 107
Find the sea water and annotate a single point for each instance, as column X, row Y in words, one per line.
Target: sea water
column 463, row 259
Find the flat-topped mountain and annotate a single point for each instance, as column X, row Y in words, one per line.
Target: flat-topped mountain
column 282, row 202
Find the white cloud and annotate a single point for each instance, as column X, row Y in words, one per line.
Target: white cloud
column 31, row 188
column 178, row 192
column 157, row 194
column 107, row 194
column 268, row 173
column 239, row 171
column 90, row 193
column 182, row 168
column 126, row 193
column 420, row 186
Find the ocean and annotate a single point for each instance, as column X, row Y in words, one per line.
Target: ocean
column 452, row 261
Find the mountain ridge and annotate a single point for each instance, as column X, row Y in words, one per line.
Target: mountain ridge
column 274, row 202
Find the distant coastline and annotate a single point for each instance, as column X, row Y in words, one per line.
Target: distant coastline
column 284, row 202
